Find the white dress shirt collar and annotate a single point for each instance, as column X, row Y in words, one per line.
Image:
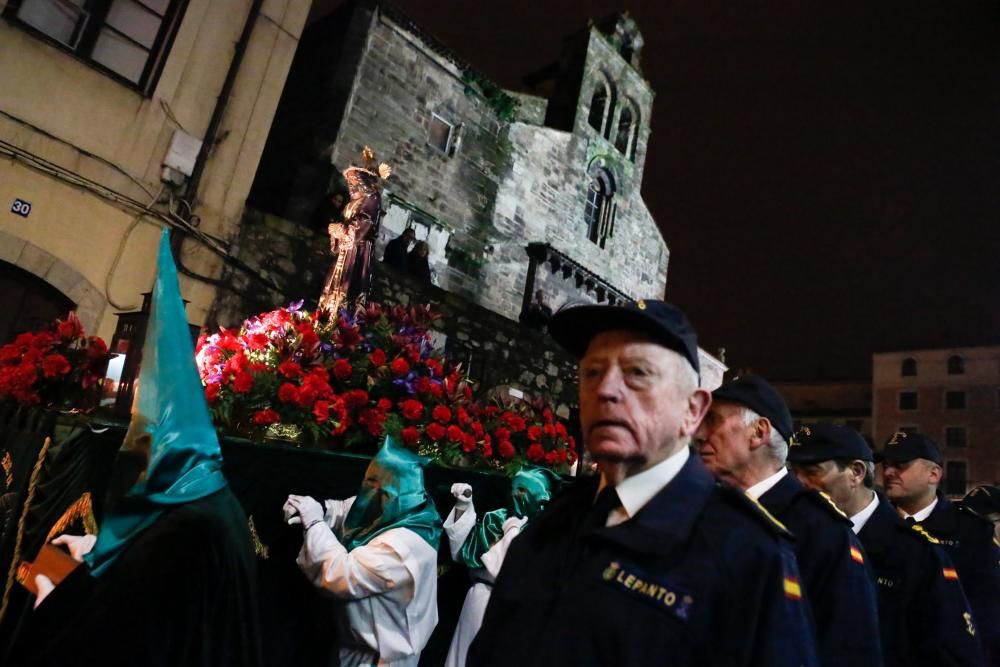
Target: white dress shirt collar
column 861, row 518
column 922, row 514
column 764, row 485
column 637, row 490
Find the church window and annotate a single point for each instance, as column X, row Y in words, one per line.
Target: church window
column 600, row 209
column 439, row 135
column 599, row 104
column 628, row 132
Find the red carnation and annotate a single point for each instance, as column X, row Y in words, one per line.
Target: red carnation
column 503, row 433
column 550, row 430
column 342, row 369
column 506, row 449
column 355, row 398
column 288, row 393
column 309, row 339
column 69, row 328
column 561, row 430
column 534, row 433
column 435, row 431
column 441, row 414
column 535, row 452
column 257, row 341
column 321, row 411
column 435, row 367
column 410, row 435
column 265, row 417
column 412, row 409
column 384, row 404
column 212, row 392
column 552, row 458
column 399, row 367
column 462, row 416
column 468, row 443
column 455, row 434
column 290, row 369
column 377, row 358
column 547, row 415
column 487, row 450
column 55, row 365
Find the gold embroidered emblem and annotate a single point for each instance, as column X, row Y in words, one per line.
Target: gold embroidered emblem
column 610, row 571
column 969, row 626
column 640, row 304
column 259, row 548
column 896, row 438
column 920, row 530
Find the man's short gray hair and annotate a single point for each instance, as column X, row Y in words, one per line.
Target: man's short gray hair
column 777, row 445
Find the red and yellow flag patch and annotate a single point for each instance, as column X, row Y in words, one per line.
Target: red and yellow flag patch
column 793, row 591
column 950, row 573
column 857, row 555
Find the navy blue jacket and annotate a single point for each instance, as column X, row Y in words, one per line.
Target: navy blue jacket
column 923, row 613
column 699, row 577
column 836, row 580
column 969, row 542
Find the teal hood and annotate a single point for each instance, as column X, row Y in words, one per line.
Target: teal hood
column 392, row 495
column 170, row 425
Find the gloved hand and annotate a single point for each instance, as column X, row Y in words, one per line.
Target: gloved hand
column 335, row 512
column 304, row 510
column 513, row 523
column 462, row 493
column 45, row 586
column 78, row 545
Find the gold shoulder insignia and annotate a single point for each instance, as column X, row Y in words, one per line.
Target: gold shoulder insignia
column 920, row 530
column 763, row 510
column 832, row 504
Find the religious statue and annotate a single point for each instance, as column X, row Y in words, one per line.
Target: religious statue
column 352, row 240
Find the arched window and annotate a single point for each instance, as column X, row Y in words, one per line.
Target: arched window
column 956, row 365
column 909, row 367
column 600, row 209
column 624, row 130
column 599, row 107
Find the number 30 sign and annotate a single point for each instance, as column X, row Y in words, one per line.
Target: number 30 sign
column 21, row 207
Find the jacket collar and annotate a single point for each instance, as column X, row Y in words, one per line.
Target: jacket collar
column 779, row 497
column 943, row 519
column 669, row 517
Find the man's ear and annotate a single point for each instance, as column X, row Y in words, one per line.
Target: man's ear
column 934, row 472
column 697, row 407
column 761, row 433
column 858, row 471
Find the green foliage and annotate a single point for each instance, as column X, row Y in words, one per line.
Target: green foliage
column 503, row 104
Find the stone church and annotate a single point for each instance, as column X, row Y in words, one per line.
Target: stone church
column 481, row 173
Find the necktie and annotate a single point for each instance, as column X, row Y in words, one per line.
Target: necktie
column 910, row 521
column 606, row 501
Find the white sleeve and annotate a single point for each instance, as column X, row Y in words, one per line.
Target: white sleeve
column 336, row 511
column 367, row 570
column 458, row 526
column 493, row 558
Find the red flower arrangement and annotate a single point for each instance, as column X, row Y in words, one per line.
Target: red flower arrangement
column 345, row 382
column 53, row 367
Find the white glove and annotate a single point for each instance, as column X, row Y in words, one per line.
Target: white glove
column 78, row 545
column 462, row 493
column 336, row 511
column 45, row 586
column 304, row 510
column 513, row 523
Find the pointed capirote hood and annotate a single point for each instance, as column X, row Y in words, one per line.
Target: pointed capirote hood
column 170, row 422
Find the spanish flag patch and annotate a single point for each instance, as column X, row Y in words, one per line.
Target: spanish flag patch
column 857, row 555
column 792, row 589
column 950, row 573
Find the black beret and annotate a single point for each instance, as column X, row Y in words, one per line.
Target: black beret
column 666, row 324
column 755, row 393
column 984, row 501
column 903, row 447
column 827, row 442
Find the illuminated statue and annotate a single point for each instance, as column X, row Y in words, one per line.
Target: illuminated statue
column 352, row 240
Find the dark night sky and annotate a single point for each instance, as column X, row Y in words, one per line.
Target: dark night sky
column 825, row 174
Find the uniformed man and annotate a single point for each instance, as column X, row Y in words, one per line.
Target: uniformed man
column 924, row 616
column 912, row 472
column 744, row 441
column 651, row 562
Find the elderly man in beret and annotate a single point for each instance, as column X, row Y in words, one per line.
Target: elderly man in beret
column 912, row 471
column 744, row 442
column 924, row 616
column 651, row 562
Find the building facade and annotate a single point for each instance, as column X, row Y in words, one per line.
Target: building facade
column 951, row 395
column 121, row 117
column 479, row 172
